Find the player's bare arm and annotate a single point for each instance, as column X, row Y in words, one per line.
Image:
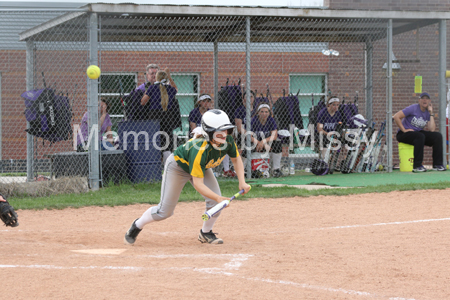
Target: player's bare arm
column 145, row 99
column 200, row 187
column 431, row 124
column 398, row 120
column 239, row 168
column 171, row 81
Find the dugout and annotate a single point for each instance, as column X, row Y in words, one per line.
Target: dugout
column 380, row 54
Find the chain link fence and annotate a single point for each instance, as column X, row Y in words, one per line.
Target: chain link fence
column 416, row 57
column 311, row 91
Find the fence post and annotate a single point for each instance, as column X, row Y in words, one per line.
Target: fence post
column 247, row 100
column 216, row 74
column 369, row 80
column 30, row 86
column 1, row 157
column 389, row 135
column 442, row 86
column 94, row 177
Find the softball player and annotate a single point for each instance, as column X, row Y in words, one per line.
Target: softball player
column 161, row 104
column 204, row 103
column 195, row 116
column 193, row 162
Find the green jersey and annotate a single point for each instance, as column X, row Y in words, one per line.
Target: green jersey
column 197, row 155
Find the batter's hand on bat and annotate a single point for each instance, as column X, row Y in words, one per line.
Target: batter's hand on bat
column 244, row 186
column 221, row 198
column 217, row 208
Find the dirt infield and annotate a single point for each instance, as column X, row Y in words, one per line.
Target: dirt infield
column 370, row 246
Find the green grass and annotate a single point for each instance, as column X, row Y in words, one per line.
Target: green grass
column 127, row 194
column 23, row 174
column 13, row 174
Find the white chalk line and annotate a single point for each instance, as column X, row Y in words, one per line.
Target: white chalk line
column 384, row 224
column 328, row 289
column 24, row 230
column 66, row 230
column 234, row 263
column 72, row 268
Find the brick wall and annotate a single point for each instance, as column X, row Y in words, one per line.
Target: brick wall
column 405, row 46
column 345, row 76
column 65, row 69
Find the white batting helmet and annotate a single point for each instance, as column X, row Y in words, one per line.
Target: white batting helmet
column 359, row 120
column 215, row 120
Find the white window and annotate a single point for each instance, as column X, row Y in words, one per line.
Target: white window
column 188, row 91
column 111, row 87
column 307, row 84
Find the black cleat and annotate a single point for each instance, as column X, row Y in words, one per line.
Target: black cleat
column 132, row 233
column 277, row 173
column 209, row 237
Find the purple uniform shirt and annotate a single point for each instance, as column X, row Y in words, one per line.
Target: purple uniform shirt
column 241, row 113
column 154, row 93
column 84, row 127
column 263, row 131
column 415, row 118
column 195, row 117
column 141, row 87
column 329, row 122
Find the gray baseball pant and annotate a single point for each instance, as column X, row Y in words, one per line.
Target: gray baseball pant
column 174, row 179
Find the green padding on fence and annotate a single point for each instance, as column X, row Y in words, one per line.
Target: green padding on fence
column 359, row 179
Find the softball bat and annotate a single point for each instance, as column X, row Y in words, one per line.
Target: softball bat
column 218, row 207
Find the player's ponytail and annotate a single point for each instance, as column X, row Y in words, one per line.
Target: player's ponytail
column 161, row 77
column 197, row 133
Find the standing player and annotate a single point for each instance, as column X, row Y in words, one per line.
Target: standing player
column 150, row 77
column 161, row 104
column 193, row 162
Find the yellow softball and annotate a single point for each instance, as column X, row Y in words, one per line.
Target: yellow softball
column 93, row 72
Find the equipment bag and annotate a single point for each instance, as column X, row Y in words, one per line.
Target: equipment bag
column 287, row 112
column 230, row 97
column 49, row 115
column 135, row 111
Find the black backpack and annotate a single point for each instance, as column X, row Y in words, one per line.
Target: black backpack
column 134, row 109
column 230, row 98
column 49, row 115
column 312, row 120
column 287, row 112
